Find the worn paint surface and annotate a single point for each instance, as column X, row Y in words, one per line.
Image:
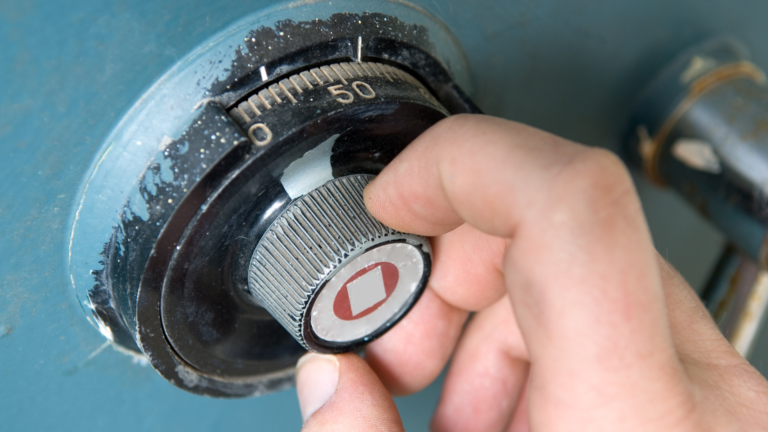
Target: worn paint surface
column 69, row 70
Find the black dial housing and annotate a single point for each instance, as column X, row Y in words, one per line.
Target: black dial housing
column 207, row 276
column 174, row 282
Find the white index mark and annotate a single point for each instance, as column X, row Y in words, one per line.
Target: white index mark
column 310, row 171
column 359, row 49
column 366, row 291
column 263, row 71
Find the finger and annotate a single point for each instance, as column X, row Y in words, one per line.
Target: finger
column 460, row 170
column 580, row 268
column 341, row 393
column 724, row 381
column 411, row 355
column 467, row 272
column 695, row 334
column 585, row 285
column 486, row 376
column 520, row 417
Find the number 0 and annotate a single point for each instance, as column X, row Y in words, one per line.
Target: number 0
column 265, row 135
column 368, row 94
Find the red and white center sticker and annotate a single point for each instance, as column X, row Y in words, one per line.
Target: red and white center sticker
column 367, row 292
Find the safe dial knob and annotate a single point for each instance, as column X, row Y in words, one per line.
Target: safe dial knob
column 331, row 274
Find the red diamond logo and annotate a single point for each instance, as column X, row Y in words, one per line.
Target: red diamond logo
column 365, row 291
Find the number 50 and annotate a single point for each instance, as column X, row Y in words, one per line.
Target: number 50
column 362, row 89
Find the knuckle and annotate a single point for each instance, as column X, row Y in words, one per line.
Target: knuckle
column 599, row 179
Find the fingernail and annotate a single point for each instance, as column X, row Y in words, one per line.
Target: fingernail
column 316, row 378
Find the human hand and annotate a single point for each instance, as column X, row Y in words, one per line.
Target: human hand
column 580, row 325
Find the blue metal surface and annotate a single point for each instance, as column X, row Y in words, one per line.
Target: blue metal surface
column 70, row 69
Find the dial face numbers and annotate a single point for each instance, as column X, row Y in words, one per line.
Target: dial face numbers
column 263, row 112
column 367, row 293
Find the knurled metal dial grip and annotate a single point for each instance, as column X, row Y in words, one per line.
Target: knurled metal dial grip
column 331, row 274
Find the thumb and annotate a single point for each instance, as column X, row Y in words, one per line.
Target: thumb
column 341, row 393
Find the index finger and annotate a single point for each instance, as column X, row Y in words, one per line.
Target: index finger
column 580, row 267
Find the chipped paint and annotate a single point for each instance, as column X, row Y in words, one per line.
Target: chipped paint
column 190, row 378
column 698, row 66
column 5, row 331
column 697, row 154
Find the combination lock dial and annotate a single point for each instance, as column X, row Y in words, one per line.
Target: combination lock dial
column 331, row 274
column 241, row 238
